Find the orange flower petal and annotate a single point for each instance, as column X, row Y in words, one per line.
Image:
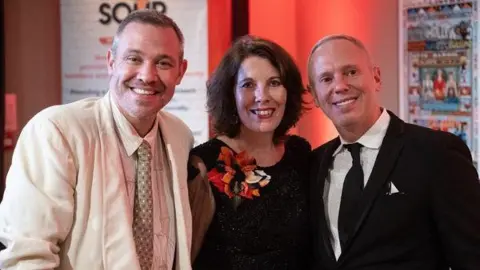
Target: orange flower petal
column 229, row 170
column 228, row 191
column 226, row 155
column 227, row 178
column 248, row 168
column 243, row 159
column 247, row 194
column 264, row 182
column 216, row 178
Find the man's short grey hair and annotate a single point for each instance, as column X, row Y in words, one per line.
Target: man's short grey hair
column 327, row 39
column 152, row 17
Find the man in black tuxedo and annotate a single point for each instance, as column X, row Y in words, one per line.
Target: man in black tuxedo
column 385, row 194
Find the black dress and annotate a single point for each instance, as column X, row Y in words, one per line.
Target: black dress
column 267, row 226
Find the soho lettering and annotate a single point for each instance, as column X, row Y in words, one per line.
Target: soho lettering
column 120, row 10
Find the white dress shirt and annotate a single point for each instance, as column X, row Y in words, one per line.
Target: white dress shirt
column 342, row 162
column 163, row 208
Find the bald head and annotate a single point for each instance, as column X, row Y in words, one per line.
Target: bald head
column 344, row 84
column 329, row 39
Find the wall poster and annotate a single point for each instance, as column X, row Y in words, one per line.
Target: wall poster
column 438, row 67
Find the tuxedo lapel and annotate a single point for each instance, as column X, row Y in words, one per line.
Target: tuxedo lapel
column 325, row 158
column 384, row 164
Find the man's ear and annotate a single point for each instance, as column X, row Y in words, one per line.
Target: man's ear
column 110, row 61
column 314, row 95
column 377, row 78
column 183, row 69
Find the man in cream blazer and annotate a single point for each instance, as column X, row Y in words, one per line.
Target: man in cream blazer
column 66, row 204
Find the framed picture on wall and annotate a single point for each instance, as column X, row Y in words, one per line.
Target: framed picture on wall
column 439, row 67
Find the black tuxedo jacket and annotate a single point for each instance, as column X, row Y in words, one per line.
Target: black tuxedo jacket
column 433, row 223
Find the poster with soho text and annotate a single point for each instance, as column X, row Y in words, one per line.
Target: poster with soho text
column 439, row 67
column 87, row 29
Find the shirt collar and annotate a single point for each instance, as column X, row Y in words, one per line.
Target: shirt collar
column 127, row 133
column 373, row 138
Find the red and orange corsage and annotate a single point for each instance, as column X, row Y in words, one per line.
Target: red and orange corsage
column 237, row 175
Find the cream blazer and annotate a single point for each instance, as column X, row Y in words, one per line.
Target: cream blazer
column 65, row 204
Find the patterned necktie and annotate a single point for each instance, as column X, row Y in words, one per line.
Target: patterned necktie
column 351, row 194
column 143, row 208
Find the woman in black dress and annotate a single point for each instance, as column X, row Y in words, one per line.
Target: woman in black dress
column 248, row 185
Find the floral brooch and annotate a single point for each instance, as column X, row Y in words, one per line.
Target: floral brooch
column 236, row 176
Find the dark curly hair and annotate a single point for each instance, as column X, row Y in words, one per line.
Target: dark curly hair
column 220, row 87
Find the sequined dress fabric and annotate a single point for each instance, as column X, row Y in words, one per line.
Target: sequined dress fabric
column 266, row 232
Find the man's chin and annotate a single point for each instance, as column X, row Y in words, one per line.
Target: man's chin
column 346, row 121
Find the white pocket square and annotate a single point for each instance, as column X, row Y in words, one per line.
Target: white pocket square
column 392, row 189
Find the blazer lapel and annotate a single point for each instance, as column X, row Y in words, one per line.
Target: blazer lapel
column 117, row 217
column 325, row 163
column 384, row 164
column 177, row 155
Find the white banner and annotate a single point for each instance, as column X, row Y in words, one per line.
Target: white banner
column 88, row 27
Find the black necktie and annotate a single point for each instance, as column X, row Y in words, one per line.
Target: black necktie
column 352, row 191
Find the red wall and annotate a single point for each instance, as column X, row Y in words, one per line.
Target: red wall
column 298, row 25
